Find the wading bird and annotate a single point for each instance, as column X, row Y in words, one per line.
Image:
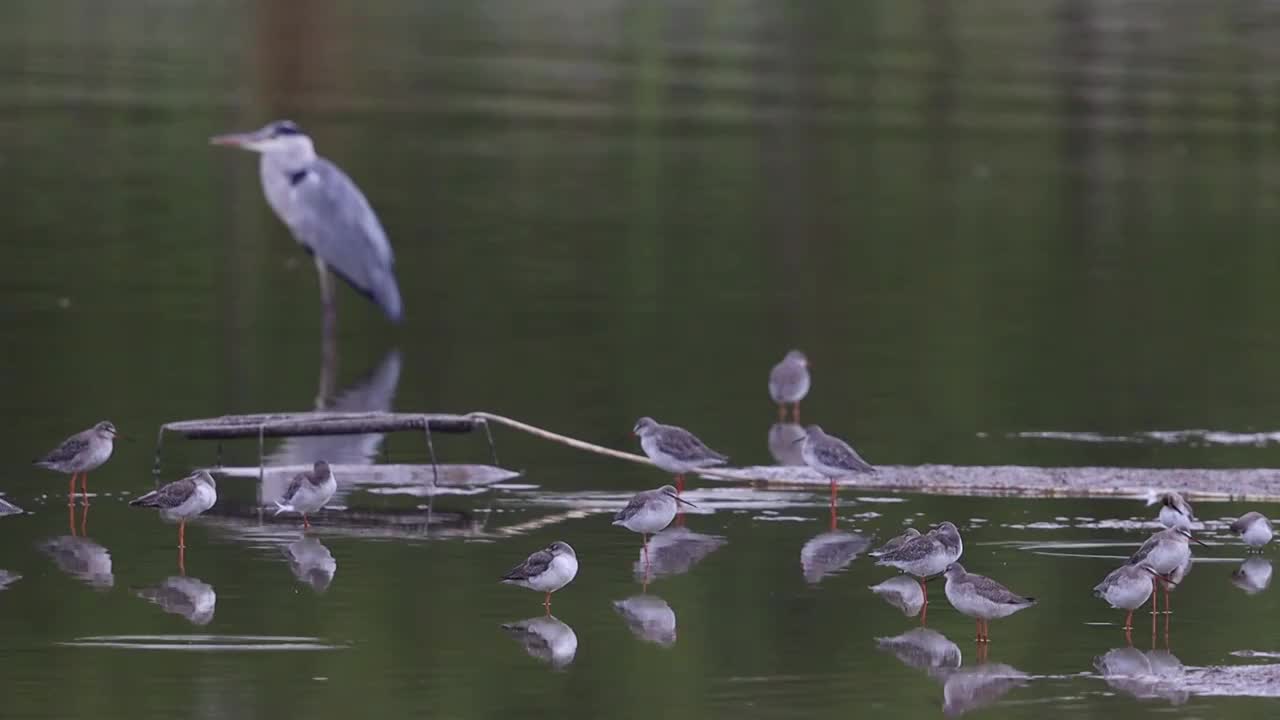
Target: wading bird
column 182, row 500
column 79, row 454
column 675, row 449
column 327, row 214
column 308, row 492
column 545, row 571
column 650, row 512
column 982, row 598
column 789, row 383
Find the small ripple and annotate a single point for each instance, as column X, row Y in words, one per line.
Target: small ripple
column 205, row 643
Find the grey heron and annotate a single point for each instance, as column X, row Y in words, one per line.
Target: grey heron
column 327, row 214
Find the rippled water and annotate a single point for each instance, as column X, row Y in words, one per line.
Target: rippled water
column 995, row 228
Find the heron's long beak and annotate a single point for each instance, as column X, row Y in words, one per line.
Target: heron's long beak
column 1162, row 578
column 1198, row 540
column 679, row 499
column 798, row 440
column 233, row 139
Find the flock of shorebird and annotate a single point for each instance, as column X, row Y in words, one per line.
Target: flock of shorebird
column 1159, row 564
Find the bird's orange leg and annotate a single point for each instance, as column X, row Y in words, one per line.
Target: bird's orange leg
column 84, row 521
column 182, row 534
column 680, row 483
column 306, row 524
column 1128, row 621
column 1155, row 595
column 782, row 412
column 84, row 489
column 1167, row 607
column 795, row 413
column 71, row 492
column 71, row 519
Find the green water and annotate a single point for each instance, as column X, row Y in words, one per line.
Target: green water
column 976, row 220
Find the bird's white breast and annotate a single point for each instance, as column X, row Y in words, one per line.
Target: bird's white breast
column 559, row 573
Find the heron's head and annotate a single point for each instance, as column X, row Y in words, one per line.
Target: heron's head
column 320, row 470
column 954, row 571
column 280, row 137
column 105, row 430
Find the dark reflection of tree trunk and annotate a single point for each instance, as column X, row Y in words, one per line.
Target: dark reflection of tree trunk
column 1082, row 152
column 940, row 109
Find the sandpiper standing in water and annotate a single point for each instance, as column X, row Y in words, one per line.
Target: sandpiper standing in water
column 1254, row 529
column 926, row 556
column 650, row 512
column 982, row 598
column 789, row 383
column 308, row 492
column 79, row 454
column 182, row 500
column 675, row 449
column 1126, row 588
column 1175, row 511
column 545, row 571
column 831, row 457
column 1164, row 552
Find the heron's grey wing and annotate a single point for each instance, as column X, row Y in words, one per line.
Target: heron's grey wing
column 534, row 565
column 69, row 448
column 839, row 454
column 334, row 221
column 294, row 486
column 168, row 496
column 685, row 446
column 632, row 507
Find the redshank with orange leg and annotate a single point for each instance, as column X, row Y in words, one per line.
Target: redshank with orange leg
column 675, row 449
column 182, row 500
column 80, row 453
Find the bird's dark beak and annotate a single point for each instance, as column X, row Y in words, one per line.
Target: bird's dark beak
column 797, row 441
column 1198, row 540
column 679, row 499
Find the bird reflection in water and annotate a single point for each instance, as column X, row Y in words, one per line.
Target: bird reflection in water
column 674, row 551
column 650, row 618
column 1152, row 675
column 829, row 553
column 311, row 563
column 922, row 648
column 784, row 444
column 902, row 592
column 186, row 596
column 963, row 688
column 8, row 578
column 546, row 638
column 976, row 687
column 81, row 558
column 1253, row 576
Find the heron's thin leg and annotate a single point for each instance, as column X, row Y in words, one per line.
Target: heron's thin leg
column 84, row 489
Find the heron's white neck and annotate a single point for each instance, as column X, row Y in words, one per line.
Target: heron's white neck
column 290, row 157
